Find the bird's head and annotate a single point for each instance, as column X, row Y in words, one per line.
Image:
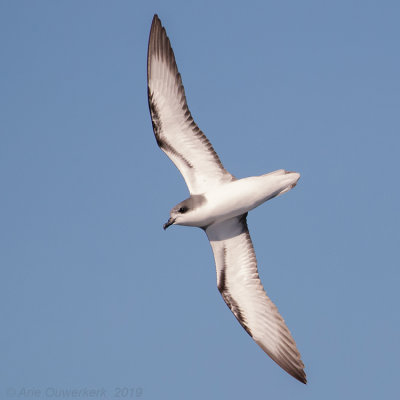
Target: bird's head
column 185, row 212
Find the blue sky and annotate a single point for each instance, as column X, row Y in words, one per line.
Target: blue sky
column 94, row 294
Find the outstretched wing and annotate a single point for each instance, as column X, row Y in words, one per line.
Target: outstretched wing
column 174, row 128
column 242, row 290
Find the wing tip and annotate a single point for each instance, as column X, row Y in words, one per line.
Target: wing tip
column 159, row 46
column 295, row 368
column 156, row 21
column 300, row 375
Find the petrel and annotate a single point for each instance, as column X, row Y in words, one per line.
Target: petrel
column 218, row 204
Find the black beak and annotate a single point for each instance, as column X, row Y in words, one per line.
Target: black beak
column 168, row 223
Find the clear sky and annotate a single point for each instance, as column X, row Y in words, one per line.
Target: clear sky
column 95, row 295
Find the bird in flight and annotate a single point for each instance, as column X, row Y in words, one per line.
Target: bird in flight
column 218, row 204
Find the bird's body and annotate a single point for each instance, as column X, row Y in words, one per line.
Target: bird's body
column 219, row 204
column 237, row 197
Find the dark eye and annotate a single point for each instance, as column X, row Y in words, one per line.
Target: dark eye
column 183, row 209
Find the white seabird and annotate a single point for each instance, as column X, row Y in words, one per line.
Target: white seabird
column 218, row 204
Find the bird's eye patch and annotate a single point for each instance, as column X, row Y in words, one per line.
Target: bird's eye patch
column 182, row 210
